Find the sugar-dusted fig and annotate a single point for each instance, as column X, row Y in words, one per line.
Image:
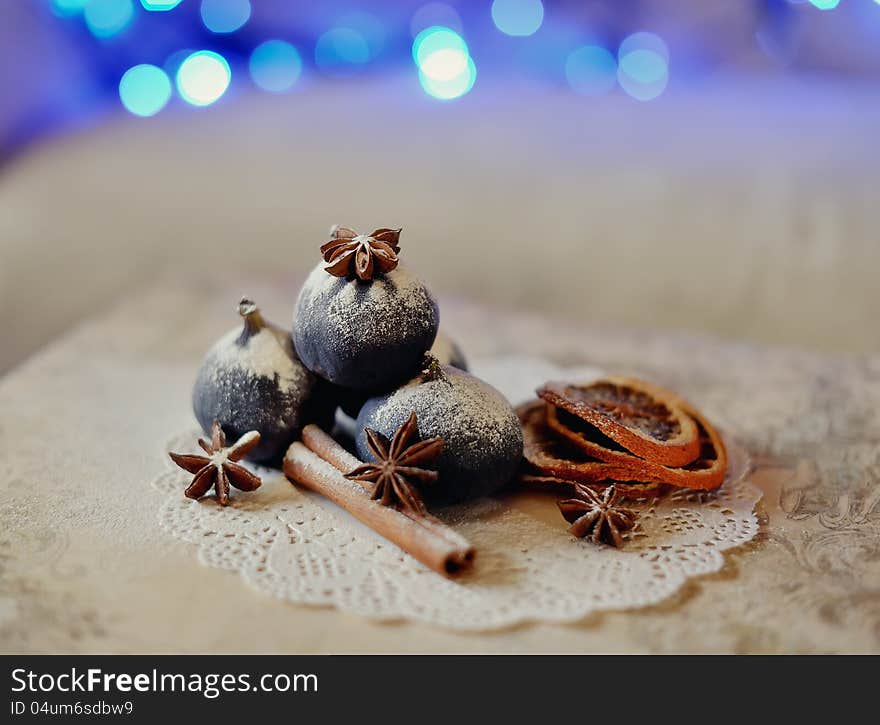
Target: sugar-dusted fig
column 482, row 434
column 251, row 379
column 362, row 321
column 445, row 350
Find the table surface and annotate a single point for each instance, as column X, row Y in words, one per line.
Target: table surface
column 84, row 566
column 737, row 207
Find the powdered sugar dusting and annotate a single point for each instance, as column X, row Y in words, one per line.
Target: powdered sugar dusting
column 242, row 442
column 219, row 458
column 267, row 353
column 252, row 380
column 400, row 293
column 474, row 411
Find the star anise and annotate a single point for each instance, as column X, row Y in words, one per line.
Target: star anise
column 398, row 466
column 597, row 515
column 218, row 469
column 349, row 254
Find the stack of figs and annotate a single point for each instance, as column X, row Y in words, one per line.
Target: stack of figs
column 364, row 345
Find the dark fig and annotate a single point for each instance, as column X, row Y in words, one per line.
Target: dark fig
column 364, row 335
column 251, row 379
column 482, row 432
column 445, row 350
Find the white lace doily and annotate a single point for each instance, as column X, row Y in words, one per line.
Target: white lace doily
column 297, row 546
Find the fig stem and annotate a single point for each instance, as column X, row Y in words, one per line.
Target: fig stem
column 253, row 320
column 431, row 368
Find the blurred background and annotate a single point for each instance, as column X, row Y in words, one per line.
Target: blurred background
column 706, row 165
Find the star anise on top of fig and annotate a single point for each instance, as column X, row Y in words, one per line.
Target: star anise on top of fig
column 597, row 515
column 349, row 254
column 398, row 467
column 218, row 469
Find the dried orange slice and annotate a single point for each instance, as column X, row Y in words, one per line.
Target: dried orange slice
column 643, row 419
column 710, row 468
column 706, row 472
column 554, row 463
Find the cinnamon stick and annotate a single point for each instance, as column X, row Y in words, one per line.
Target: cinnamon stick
column 319, row 464
column 315, row 439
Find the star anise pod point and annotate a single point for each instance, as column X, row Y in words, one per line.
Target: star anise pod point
column 364, row 256
column 219, row 470
column 398, row 467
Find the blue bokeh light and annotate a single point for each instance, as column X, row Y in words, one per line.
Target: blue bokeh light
column 643, row 41
column 545, row 53
column 68, row 8
column 341, row 51
column 591, row 70
column 446, row 69
column 434, row 39
column 275, row 66
column 436, row 14
column 144, row 90
column 518, row 17
column 825, row 4
column 225, row 16
column 160, row 6
column 643, row 66
column 368, row 26
column 450, row 88
column 444, row 64
column 203, row 78
column 106, row 18
column 639, row 88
